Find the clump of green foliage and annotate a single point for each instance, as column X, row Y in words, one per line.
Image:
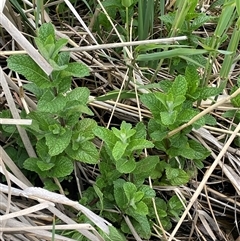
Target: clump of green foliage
column 124, row 170
column 121, row 183
column 63, row 135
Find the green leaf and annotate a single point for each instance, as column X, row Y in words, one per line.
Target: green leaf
column 238, row 82
column 234, row 115
column 168, row 118
column 200, row 151
column 169, row 100
column 141, row 208
column 7, row 128
column 141, row 132
column 42, row 48
column 30, row 164
column 76, row 69
column 80, row 94
column 146, row 166
column 175, row 207
column 207, row 92
column 58, row 143
column 125, row 127
column 179, row 140
column 236, row 142
column 108, row 172
column 56, row 129
column 55, row 66
column 143, row 228
column 162, row 97
column 119, row 150
column 156, row 130
column 186, row 115
column 73, row 107
column 58, row 45
column 176, row 176
column 25, row 66
column 161, row 213
column 178, row 100
column 46, row 48
column 100, row 196
column 51, row 104
column 175, row 203
column 86, row 153
column 139, row 144
column 45, row 30
column 165, row 85
column 236, row 100
column 19, row 155
column 106, row 135
column 119, row 195
column 125, row 165
column 62, row 84
column 179, row 86
column 63, row 167
column 168, row 18
column 114, row 235
column 198, row 164
column 199, row 21
column 63, row 58
column 129, row 190
column 185, row 151
column 44, row 166
column 45, row 40
column 199, row 123
column 31, row 87
column 210, row 120
column 125, row 131
column 161, row 207
column 153, row 104
column 148, row 192
column 122, row 134
column 138, row 196
column 40, row 122
column 84, row 129
column 50, row 185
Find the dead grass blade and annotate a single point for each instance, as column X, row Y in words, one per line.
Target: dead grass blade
column 2, row 4
column 125, row 44
column 7, row 121
column 14, row 169
column 15, row 115
column 204, row 180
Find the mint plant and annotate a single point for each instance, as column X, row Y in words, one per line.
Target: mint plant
column 124, row 170
column 121, row 183
column 173, row 108
column 62, row 135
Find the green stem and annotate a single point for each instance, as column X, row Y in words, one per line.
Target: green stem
column 127, row 25
column 178, row 21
